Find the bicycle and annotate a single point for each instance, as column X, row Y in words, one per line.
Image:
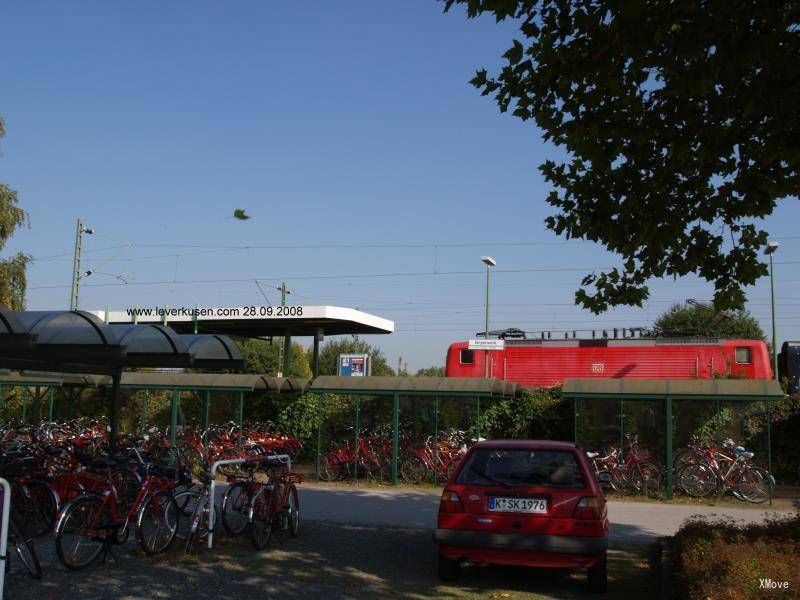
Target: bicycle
column 263, row 507
column 91, row 523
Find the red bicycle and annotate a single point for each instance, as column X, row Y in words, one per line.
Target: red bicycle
column 91, row 523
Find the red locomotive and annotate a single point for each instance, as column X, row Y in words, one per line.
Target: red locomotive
column 540, row 363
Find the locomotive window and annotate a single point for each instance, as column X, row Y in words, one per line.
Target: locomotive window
column 466, row 357
column 743, row 356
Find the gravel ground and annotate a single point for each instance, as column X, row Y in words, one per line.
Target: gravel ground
column 328, row 560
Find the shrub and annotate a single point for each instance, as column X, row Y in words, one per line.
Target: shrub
column 722, row 559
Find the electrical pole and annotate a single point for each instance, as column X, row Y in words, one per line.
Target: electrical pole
column 285, row 353
column 76, row 264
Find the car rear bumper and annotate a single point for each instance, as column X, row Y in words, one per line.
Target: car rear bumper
column 523, row 542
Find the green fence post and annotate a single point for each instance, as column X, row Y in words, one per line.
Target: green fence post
column 669, row 446
column 435, row 427
column 71, row 400
column 2, row 399
column 769, row 445
column 241, row 420
column 25, row 405
column 478, row 420
column 355, row 464
column 575, row 420
column 716, row 420
column 319, row 430
column 143, row 422
column 621, row 422
column 395, row 436
column 173, row 432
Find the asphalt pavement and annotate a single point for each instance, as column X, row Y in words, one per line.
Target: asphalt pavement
column 637, row 522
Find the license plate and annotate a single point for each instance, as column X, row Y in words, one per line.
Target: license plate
column 518, row 505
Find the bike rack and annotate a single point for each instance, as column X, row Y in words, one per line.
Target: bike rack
column 284, row 458
column 6, row 508
column 212, row 498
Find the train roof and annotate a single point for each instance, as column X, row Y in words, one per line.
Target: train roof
column 617, row 342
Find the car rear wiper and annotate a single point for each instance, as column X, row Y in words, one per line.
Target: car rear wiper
column 488, row 477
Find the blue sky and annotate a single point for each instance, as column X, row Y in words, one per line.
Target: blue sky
column 346, row 123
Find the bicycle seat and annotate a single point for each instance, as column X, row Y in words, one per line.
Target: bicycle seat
column 592, row 454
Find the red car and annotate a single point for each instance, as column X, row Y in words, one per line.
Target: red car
column 527, row 503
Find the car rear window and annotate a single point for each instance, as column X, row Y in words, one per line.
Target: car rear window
column 522, row 467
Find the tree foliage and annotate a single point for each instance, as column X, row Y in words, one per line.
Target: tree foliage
column 264, row 358
column 680, row 121
column 684, row 320
column 333, row 348
column 13, row 282
column 430, row 372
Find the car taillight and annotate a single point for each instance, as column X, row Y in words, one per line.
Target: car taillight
column 451, row 503
column 589, row 507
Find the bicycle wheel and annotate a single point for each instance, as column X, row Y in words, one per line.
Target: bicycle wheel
column 191, row 502
column 157, row 522
column 698, row 480
column 753, row 485
column 645, row 478
column 261, row 524
column 36, row 507
column 77, row 542
column 293, row 501
column 127, row 484
column 414, row 470
column 24, row 549
column 234, row 508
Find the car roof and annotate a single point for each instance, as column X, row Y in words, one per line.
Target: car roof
column 548, row 444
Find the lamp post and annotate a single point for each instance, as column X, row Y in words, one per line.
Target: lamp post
column 489, row 262
column 770, row 250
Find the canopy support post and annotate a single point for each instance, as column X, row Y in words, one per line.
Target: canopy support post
column 116, row 379
column 143, row 422
column 395, row 435
column 25, row 404
column 287, row 352
column 315, row 353
column 621, row 422
column 36, row 408
column 71, row 397
column 206, row 409
column 173, row 427
column 50, row 400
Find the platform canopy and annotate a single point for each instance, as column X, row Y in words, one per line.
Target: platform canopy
column 259, row 321
column 414, row 386
column 677, row 389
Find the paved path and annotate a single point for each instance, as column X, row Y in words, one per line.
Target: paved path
column 630, row 521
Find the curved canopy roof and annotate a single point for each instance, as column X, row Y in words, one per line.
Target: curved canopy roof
column 211, row 351
column 150, row 344
column 79, row 342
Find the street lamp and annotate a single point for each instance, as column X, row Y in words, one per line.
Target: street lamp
column 489, row 262
column 769, row 251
